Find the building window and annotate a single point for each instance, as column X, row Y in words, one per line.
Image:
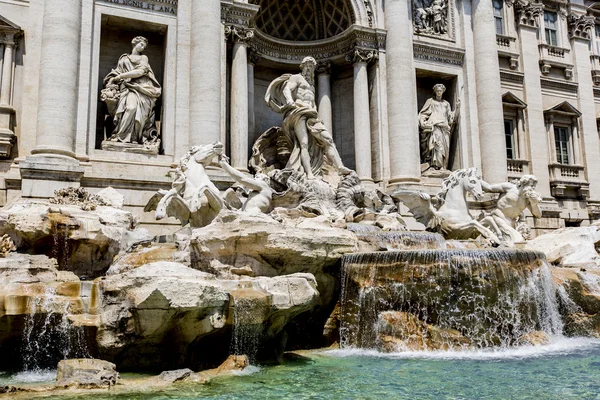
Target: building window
column 561, row 140
column 509, row 134
column 597, row 40
column 551, row 27
column 498, row 16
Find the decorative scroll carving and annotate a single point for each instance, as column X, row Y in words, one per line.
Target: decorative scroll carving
column 580, row 26
column 237, row 34
column 528, row 12
column 369, row 9
column 254, row 57
column 324, row 67
column 360, row 55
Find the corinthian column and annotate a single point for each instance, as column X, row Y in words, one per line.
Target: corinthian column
column 57, row 108
column 489, row 96
column 53, row 164
column 401, row 94
column 362, row 118
column 7, row 67
column 239, row 97
column 205, row 79
column 324, row 93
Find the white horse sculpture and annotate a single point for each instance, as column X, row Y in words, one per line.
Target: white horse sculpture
column 448, row 212
column 193, row 198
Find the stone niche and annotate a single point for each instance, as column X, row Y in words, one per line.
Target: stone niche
column 115, row 40
column 426, row 80
column 342, row 85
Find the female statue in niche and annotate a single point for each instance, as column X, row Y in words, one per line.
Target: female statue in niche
column 436, row 120
column 130, row 92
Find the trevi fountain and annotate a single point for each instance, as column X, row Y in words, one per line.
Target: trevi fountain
column 300, row 278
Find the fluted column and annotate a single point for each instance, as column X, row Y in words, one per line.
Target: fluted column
column 527, row 20
column 580, row 28
column 57, row 108
column 7, row 68
column 324, row 94
column 253, row 59
column 239, row 97
column 362, row 118
column 205, row 79
column 489, row 95
column 401, row 89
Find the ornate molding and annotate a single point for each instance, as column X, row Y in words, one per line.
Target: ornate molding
column 428, row 52
column 563, row 86
column 512, row 77
column 356, row 37
column 360, row 55
column 253, row 56
column 237, row 34
column 528, row 13
column 370, row 14
column 238, row 14
column 580, row 26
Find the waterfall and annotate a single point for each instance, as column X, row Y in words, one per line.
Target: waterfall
column 249, row 313
column 48, row 335
column 446, row 299
column 397, row 240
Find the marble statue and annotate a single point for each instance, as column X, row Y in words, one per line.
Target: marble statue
column 513, row 200
column 294, row 97
column 430, row 16
column 436, row 122
column 448, row 212
column 130, row 93
column 193, row 198
column 260, row 194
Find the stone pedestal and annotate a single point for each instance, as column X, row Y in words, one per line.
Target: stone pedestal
column 43, row 174
column 151, row 150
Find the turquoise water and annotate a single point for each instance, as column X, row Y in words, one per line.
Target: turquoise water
column 566, row 369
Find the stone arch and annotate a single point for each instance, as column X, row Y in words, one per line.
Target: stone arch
column 308, row 20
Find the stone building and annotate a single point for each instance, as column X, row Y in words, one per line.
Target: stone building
column 527, row 74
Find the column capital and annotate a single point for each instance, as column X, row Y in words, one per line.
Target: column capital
column 324, row 67
column 254, row 56
column 238, row 34
column 528, row 12
column 9, row 39
column 580, row 26
column 362, row 55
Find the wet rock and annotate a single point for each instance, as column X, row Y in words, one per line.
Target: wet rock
column 397, row 331
column 569, row 247
column 233, row 363
column 175, row 375
column 86, row 372
column 535, row 338
column 580, row 300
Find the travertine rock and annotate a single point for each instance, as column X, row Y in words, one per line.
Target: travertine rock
column 168, row 304
column 84, row 242
column 86, row 372
column 569, row 247
column 579, row 292
column 398, row 331
column 111, row 197
column 236, row 242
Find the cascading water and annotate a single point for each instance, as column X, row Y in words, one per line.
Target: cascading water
column 440, row 299
column 248, row 316
column 48, row 335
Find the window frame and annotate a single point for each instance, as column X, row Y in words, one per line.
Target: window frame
column 499, row 17
column 511, row 132
column 568, row 145
column 551, row 34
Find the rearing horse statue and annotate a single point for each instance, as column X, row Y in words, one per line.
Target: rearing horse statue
column 193, row 198
column 448, row 212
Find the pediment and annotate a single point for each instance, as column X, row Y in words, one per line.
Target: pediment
column 510, row 100
column 8, row 26
column 564, row 108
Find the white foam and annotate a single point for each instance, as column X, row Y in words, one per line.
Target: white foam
column 35, row 376
column 249, row 370
column 558, row 346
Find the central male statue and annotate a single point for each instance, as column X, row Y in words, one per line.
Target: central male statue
column 294, row 97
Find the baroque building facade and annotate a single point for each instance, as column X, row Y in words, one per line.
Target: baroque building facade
column 522, row 76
